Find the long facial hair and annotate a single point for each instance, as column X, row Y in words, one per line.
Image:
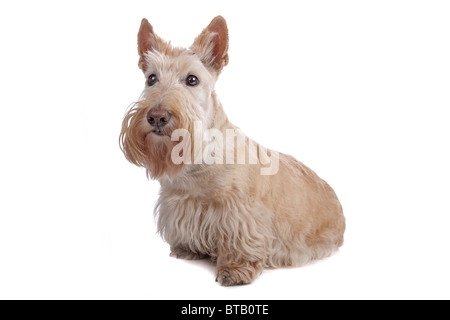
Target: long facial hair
column 145, row 149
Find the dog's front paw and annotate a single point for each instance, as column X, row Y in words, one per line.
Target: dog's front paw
column 232, row 276
column 183, row 253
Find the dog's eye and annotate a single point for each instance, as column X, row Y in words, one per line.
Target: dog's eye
column 152, row 79
column 192, row 81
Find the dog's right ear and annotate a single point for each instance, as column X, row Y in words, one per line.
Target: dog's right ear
column 147, row 41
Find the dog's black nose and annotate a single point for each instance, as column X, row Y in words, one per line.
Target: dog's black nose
column 158, row 117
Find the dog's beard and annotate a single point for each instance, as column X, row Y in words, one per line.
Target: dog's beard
column 145, row 148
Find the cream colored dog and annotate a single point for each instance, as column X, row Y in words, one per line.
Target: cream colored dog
column 245, row 207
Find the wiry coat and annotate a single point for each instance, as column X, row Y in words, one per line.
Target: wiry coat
column 243, row 220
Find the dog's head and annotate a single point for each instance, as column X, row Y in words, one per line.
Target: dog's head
column 179, row 86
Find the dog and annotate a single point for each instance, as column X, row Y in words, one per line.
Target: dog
column 246, row 208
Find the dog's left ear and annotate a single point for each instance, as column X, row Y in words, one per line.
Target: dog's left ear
column 212, row 44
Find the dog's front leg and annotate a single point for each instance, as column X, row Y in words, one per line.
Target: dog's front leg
column 243, row 243
column 235, row 267
column 181, row 252
column 231, row 273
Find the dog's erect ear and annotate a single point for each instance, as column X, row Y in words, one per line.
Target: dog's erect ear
column 212, row 44
column 147, row 41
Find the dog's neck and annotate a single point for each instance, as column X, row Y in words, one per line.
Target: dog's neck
column 197, row 172
column 220, row 120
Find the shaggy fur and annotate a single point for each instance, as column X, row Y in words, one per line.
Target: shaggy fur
column 231, row 213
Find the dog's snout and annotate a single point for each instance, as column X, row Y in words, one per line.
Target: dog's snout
column 158, row 117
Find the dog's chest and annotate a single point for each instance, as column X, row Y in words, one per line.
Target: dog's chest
column 190, row 221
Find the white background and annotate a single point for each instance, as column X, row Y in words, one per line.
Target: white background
column 357, row 90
